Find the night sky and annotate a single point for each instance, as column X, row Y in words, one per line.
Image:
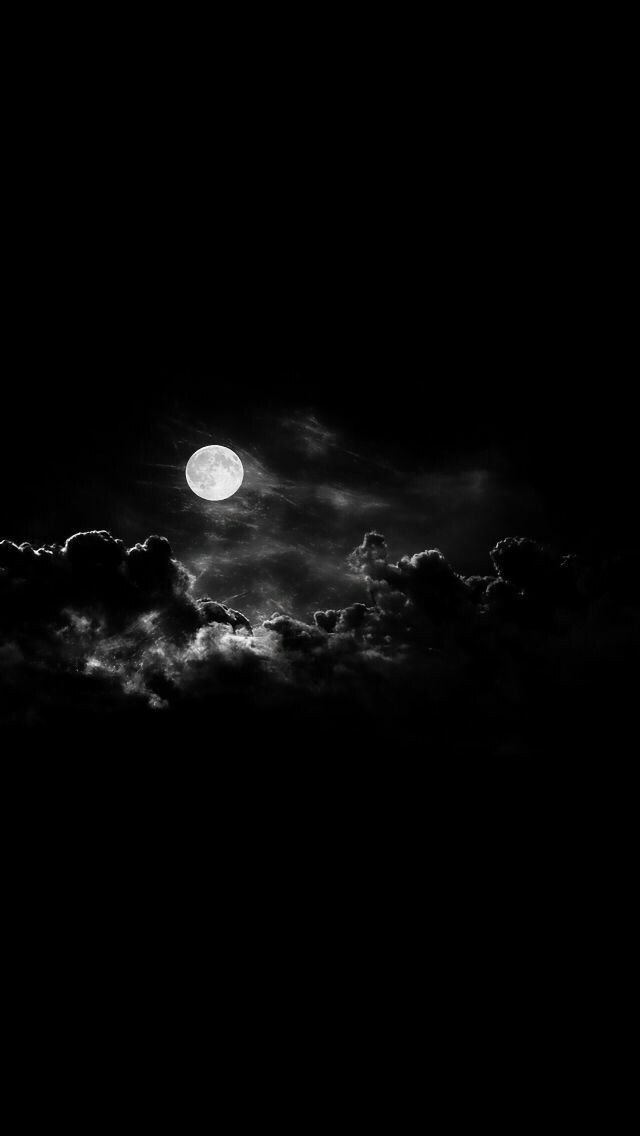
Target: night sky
column 352, row 750
column 430, row 434
column 423, row 335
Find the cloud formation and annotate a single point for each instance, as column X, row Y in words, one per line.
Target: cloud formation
column 100, row 627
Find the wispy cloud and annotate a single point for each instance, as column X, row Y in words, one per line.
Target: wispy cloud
column 308, row 494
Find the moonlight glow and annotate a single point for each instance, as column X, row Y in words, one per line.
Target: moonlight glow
column 214, row 472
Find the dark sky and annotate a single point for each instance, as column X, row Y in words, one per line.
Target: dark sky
column 438, row 280
column 394, row 278
column 416, row 323
column 100, row 413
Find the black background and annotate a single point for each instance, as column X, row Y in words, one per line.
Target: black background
column 433, row 256
column 513, row 359
column 424, row 236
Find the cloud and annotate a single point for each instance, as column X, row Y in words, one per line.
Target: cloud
column 525, row 563
column 294, row 633
column 347, row 619
column 306, row 477
column 96, row 607
column 113, row 629
column 90, row 569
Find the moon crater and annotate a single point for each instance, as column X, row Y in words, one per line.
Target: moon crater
column 214, row 472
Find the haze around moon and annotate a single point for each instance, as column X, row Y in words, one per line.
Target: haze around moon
column 214, row 473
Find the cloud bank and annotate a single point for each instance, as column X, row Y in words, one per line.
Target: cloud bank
column 93, row 629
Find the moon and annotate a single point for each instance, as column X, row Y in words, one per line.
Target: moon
column 214, row 472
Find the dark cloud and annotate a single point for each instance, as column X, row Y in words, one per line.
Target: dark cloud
column 92, row 608
column 481, row 661
column 215, row 612
column 294, row 632
column 370, row 557
column 526, row 564
column 347, row 619
column 92, row 569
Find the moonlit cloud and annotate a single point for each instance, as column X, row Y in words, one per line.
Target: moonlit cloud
column 272, row 612
column 107, row 626
column 309, row 489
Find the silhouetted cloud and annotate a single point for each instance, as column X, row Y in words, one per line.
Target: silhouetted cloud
column 105, row 626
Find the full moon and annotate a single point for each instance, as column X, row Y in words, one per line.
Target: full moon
column 214, row 472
